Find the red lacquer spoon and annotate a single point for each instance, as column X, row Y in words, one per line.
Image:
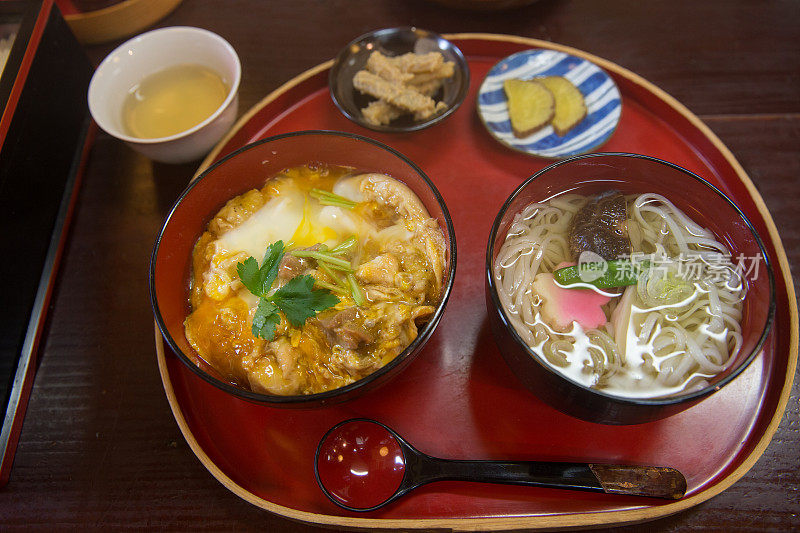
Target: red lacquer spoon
column 362, row 465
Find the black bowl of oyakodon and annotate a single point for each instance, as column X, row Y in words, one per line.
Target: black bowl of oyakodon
column 210, row 231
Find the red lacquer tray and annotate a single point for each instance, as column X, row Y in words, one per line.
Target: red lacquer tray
column 458, row 399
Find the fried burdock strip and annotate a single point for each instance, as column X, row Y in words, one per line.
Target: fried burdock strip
column 429, row 88
column 402, row 84
column 394, row 93
column 405, row 69
column 445, row 70
column 414, row 63
column 383, row 66
column 380, row 112
column 440, row 107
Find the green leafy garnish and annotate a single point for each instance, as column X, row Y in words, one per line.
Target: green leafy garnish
column 259, row 280
column 266, row 319
column 298, row 299
column 615, row 273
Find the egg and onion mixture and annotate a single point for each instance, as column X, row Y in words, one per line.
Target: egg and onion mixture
column 398, row 262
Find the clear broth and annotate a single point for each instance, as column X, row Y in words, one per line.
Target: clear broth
column 173, row 100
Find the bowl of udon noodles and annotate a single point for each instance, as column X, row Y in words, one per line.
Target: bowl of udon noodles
column 304, row 269
column 623, row 289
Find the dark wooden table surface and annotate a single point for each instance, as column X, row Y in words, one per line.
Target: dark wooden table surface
column 100, row 449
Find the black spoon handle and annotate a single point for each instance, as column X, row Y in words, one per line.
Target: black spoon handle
column 652, row 481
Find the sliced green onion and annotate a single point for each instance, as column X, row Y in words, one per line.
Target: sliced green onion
column 323, row 256
column 344, row 246
column 339, row 268
column 355, row 290
column 334, row 203
column 329, row 198
column 330, row 287
column 329, row 271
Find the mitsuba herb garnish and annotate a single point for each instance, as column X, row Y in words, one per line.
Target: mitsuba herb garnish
column 297, row 299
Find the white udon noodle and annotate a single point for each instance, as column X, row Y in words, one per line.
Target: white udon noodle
column 667, row 349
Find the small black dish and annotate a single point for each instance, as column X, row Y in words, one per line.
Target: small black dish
column 394, row 42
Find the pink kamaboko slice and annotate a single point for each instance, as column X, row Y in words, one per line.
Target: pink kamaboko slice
column 561, row 307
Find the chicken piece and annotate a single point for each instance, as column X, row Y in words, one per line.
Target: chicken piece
column 345, row 328
column 388, row 191
column 276, row 372
column 236, row 211
column 398, row 327
column 379, row 293
column 285, row 354
column 355, row 365
column 220, row 279
column 216, row 331
column 422, row 311
column 600, row 227
column 382, row 189
column 292, row 266
column 380, row 270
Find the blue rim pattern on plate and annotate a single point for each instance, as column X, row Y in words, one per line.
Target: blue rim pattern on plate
column 603, row 103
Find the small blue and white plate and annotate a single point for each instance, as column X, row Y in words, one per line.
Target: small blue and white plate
column 603, row 103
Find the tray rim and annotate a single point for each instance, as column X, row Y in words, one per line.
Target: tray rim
column 561, row 521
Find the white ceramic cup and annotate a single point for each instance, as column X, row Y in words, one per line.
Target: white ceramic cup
column 156, row 50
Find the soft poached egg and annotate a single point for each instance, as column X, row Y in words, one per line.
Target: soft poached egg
column 293, row 217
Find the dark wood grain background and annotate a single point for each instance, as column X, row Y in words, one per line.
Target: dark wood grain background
column 100, row 449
